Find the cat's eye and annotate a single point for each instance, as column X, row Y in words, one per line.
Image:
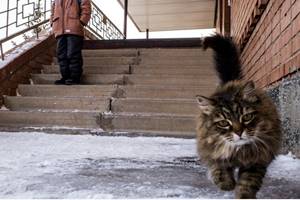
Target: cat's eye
column 223, row 123
column 248, row 117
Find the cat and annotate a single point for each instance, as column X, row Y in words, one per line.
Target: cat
column 238, row 126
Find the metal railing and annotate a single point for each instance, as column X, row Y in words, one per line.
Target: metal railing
column 101, row 26
column 18, row 17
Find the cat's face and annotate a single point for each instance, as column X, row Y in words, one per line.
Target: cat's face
column 235, row 123
column 232, row 114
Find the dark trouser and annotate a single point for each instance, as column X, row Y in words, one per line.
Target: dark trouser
column 69, row 56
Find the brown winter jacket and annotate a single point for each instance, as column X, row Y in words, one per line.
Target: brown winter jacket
column 67, row 17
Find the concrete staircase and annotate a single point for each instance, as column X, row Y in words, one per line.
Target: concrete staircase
column 132, row 91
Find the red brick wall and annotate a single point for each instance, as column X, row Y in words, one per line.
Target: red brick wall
column 272, row 50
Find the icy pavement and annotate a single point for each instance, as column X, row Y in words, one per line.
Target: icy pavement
column 37, row 165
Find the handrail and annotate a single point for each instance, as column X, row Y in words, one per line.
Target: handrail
column 99, row 25
column 24, row 31
column 19, row 33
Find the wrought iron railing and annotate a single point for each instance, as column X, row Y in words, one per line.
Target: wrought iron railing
column 18, row 17
column 102, row 27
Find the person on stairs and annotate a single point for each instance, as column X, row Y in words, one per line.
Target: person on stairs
column 68, row 18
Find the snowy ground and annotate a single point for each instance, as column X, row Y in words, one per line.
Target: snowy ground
column 37, row 165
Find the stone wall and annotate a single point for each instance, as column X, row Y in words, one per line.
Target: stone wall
column 286, row 95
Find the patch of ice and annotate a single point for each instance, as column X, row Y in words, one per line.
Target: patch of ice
column 285, row 167
column 39, row 165
column 54, row 128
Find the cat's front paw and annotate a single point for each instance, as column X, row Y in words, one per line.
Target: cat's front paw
column 245, row 195
column 226, row 184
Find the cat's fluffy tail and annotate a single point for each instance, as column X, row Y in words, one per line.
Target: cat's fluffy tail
column 226, row 55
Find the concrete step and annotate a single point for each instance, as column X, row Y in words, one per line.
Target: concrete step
column 67, row 91
column 20, row 119
column 106, row 60
column 161, row 106
column 175, row 61
column 165, row 125
column 81, row 104
column 88, row 79
column 159, row 79
column 92, row 69
column 163, row 92
column 110, row 53
column 174, row 66
column 183, row 52
column 173, row 70
column 165, row 79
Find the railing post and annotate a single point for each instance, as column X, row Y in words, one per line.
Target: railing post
column 1, row 50
column 125, row 18
column 37, row 32
column 147, row 33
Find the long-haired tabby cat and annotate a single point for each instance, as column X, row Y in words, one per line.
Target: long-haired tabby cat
column 238, row 128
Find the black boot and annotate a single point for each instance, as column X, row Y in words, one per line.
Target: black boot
column 72, row 81
column 61, row 81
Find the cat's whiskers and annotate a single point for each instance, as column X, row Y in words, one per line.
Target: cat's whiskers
column 255, row 148
column 228, row 148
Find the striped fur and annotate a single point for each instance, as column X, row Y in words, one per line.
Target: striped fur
column 238, row 128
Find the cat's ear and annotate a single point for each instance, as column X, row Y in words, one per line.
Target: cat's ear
column 205, row 104
column 249, row 87
column 249, row 92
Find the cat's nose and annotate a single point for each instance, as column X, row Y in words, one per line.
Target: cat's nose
column 239, row 132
